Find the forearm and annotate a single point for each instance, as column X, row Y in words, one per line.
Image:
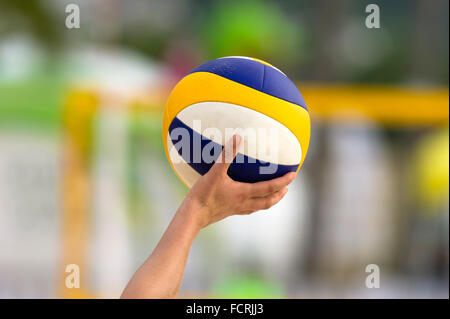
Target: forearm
column 161, row 274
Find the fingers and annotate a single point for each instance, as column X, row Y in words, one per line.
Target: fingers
column 262, row 189
column 260, row 203
column 228, row 154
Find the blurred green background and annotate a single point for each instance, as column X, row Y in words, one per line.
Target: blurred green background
column 84, row 179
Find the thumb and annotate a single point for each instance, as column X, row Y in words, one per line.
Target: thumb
column 228, row 154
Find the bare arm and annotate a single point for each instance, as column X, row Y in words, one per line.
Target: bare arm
column 215, row 196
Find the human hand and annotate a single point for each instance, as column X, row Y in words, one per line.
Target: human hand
column 216, row 196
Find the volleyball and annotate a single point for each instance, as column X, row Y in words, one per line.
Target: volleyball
column 236, row 95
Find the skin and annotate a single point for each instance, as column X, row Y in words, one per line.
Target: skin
column 214, row 197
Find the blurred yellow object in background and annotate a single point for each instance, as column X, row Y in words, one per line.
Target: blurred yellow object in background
column 388, row 105
column 432, row 168
column 76, row 201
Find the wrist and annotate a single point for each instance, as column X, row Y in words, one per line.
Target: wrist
column 193, row 213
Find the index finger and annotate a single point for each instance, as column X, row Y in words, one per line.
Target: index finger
column 228, row 154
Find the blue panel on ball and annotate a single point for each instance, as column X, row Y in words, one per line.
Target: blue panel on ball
column 256, row 75
column 243, row 169
column 279, row 85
